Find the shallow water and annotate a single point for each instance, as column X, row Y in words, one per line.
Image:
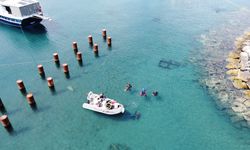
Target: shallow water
column 184, row 116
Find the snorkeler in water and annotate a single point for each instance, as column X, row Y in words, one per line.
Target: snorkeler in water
column 137, row 115
column 143, row 92
column 155, row 93
column 128, row 87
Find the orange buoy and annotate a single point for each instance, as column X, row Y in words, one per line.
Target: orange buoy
column 30, row 99
column 90, row 39
column 79, row 56
column 96, row 49
column 65, row 68
column 104, row 33
column 56, row 57
column 20, row 84
column 5, row 121
column 41, row 70
column 109, row 41
column 75, row 48
column 50, row 82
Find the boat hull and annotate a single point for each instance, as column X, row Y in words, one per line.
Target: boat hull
column 6, row 22
column 104, row 111
column 31, row 21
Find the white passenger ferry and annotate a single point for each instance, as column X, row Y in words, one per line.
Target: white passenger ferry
column 20, row 13
column 102, row 104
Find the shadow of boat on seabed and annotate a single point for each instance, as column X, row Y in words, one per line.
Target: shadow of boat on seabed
column 126, row 116
column 36, row 29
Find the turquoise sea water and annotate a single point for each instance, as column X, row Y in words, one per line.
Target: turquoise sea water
column 184, row 116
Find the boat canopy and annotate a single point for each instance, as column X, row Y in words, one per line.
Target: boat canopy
column 17, row 3
column 20, row 8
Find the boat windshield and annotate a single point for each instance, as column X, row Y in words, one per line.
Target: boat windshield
column 7, row 8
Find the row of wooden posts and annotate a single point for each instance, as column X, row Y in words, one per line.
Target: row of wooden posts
column 29, row 96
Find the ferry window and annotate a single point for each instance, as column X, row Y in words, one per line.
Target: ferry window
column 8, row 9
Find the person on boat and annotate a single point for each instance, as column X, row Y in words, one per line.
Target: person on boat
column 128, row 87
column 102, row 95
column 143, row 92
column 155, row 93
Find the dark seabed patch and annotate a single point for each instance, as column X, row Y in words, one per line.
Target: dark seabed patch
column 168, row 64
column 156, row 19
column 126, row 116
column 118, row 146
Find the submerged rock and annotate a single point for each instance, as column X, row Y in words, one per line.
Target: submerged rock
column 223, row 96
column 239, row 107
column 247, row 103
column 240, row 99
column 246, row 116
column 236, row 118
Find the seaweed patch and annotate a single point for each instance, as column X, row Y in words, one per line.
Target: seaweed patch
column 168, row 64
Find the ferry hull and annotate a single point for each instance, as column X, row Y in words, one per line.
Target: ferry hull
column 10, row 23
column 32, row 21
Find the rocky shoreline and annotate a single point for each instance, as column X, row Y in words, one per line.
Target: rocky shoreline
column 239, row 74
column 218, row 60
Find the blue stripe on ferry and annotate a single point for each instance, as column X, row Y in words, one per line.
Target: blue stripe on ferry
column 10, row 23
column 10, row 19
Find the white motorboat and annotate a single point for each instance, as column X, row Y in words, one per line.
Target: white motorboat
column 21, row 13
column 102, row 104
